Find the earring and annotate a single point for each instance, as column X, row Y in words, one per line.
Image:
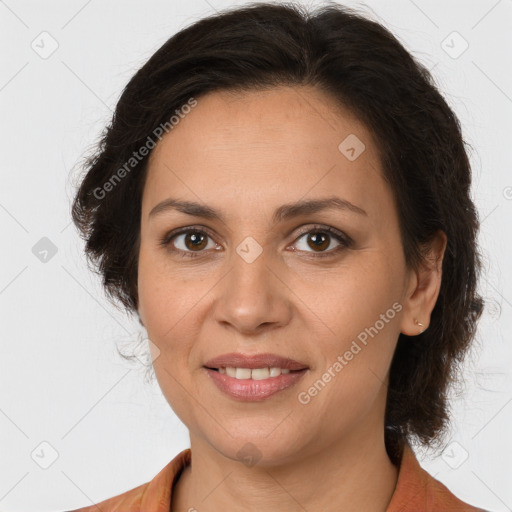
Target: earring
column 420, row 324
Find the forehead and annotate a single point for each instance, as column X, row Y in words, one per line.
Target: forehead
column 266, row 147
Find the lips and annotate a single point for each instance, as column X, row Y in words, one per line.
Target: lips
column 267, row 360
column 250, row 390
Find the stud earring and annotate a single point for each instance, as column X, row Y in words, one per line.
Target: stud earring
column 420, row 324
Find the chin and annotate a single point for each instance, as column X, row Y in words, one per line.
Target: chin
column 266, row 446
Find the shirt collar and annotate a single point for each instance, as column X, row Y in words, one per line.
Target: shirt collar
column 415, row 489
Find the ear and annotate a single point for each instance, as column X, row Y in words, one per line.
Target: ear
column 423, row 288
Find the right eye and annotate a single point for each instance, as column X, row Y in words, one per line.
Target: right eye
column 187, row 242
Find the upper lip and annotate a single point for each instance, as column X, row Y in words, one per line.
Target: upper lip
column 237, row 360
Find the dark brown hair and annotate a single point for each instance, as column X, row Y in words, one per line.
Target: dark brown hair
column 366, row 69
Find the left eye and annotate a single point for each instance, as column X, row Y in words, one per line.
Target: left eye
column 320, row 240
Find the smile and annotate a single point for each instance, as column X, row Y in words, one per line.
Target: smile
column 252, row 373
column 253, row 384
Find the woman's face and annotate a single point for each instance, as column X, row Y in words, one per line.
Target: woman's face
column 267, row 278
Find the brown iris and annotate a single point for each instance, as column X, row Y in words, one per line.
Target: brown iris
column 320, row 240
column 197, row 241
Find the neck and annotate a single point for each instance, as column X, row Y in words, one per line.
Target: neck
column 352, row 475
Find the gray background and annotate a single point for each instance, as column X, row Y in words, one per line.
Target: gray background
column 67, row 401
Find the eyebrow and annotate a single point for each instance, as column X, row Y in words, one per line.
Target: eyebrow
column 283, row 213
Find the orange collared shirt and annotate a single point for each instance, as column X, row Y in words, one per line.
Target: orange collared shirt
column 416, row 491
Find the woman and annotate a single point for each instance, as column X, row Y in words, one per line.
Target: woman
column 282, row 198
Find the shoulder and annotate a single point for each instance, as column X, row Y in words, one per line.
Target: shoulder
column 443, row 499
column 129, row 501
column 154, row 495
column 417, row 490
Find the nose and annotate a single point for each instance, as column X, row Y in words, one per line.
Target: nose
column 253, row 296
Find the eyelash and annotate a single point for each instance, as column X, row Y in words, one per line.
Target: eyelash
column 344, row 240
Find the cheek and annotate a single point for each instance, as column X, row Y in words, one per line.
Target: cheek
column 163, row 297
column 353, row 398
column 360, row 313
column 165, row 309
column 352, row 296
column 351, row 385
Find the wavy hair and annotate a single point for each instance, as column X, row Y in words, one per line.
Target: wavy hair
column 360, row 64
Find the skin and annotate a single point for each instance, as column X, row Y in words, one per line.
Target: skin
column 245, row 155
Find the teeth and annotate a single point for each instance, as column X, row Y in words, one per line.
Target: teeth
column 254, row 373
column 275, row 372
column 260, row 373
column 243, row 373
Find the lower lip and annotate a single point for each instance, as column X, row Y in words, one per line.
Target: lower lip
column 250, row 390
